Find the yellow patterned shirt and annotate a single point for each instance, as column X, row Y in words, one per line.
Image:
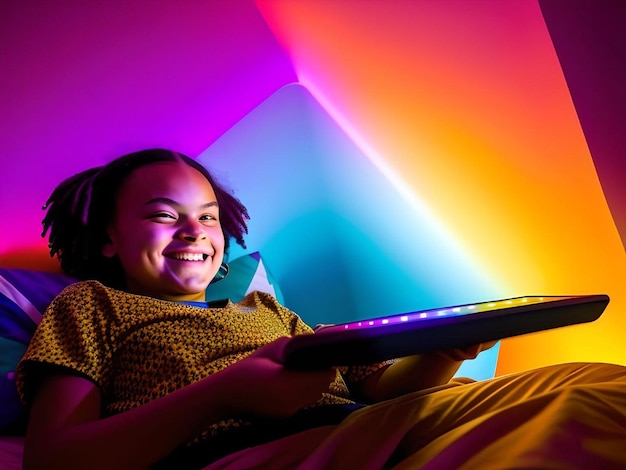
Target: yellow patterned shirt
column 137, row 349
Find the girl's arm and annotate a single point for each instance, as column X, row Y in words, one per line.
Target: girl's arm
column 66, row 429
column 415, row 373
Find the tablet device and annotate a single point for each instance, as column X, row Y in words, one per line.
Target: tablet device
column 389, row 337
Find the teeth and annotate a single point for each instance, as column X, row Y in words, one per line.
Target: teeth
column 190, row 256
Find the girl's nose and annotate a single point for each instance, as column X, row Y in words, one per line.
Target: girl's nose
column 192, row 231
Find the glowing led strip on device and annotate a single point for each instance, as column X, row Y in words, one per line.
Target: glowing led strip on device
column 447, row 312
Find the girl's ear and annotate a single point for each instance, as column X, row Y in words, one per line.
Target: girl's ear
column 108, row 250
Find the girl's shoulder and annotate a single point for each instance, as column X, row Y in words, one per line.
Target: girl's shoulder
column 261, row 300
column 264, row 302
column 96, row 288
column 81, row 287
column 86, row 291
column 79, row 290
column 93, row 295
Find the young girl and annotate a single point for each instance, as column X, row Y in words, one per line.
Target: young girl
column 131, row 368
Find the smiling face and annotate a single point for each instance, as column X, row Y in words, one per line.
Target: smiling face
column 166, row 232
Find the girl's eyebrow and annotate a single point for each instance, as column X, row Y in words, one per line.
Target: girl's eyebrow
column 171, row 202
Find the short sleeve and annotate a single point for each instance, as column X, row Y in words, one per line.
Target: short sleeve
column 73, row 335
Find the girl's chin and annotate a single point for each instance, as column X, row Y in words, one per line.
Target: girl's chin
column 184, row 288
column 189, row 277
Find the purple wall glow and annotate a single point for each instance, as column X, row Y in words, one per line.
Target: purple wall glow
column 83, row 82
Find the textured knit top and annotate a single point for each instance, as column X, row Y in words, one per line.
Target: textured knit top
column 136, row 349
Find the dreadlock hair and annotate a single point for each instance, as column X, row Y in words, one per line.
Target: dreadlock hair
column 81, row 208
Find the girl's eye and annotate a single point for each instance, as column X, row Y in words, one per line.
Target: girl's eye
column 207, row 217
column 162, row 215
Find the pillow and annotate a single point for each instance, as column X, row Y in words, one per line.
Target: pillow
column 25, row 294
column 246, row 274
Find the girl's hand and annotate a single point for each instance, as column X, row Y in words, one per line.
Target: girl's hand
column 261, row 386
column 414, row 373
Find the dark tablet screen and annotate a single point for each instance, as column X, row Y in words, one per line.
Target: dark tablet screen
column 387, row 337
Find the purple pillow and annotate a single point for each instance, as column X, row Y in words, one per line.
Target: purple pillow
column 24, row 295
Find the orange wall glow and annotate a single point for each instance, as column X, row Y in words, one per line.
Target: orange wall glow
column 467, row 104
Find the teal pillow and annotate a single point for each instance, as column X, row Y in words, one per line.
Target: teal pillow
column 246, row 274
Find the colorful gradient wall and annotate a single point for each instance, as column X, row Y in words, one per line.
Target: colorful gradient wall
column 393, row 155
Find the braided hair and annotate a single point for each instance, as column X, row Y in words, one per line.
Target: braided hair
column 81, row 208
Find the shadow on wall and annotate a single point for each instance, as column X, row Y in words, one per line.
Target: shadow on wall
column 590, row 42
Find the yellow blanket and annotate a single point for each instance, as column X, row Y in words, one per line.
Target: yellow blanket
column 570, row 416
